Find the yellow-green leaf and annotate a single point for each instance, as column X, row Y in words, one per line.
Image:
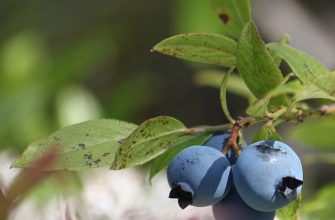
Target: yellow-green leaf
column 200, row 47
column 150, row 139
column 234, row 14
column 256, row 65
column 81, row 146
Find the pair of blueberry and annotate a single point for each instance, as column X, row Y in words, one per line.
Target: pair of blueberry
column 266, row 176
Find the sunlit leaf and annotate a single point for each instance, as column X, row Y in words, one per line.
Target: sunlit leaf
column 260, row 107
column 164, row 159
column 326, row 82
column 149, row 140
column 234, row 15
column 311, row 91
column 304, row 66
column 200, row 47
column 85, row 145
column 256, row 65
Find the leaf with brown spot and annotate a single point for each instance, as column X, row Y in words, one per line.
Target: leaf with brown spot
column 234, row 14
column 200, row 47
column 149, row 140
column 77, row 149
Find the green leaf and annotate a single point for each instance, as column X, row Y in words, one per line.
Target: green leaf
column 311, row 91
column 149, row 140
column 260, row 107
column 318, row 133
column 326, row 82
column 256, row 65
column 304, row 66
column 267, row 132
column 85, row 145
column 200, row 47
column 290, row 212
column 234, row 15
column 160, row 162
column 276, row 57
column 223, row 97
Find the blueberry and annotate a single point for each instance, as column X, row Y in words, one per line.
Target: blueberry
column 199, row 176
column 268, row 175
column 233, row 208
column 218, row 141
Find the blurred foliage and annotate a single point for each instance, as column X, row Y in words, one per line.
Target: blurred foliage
column 62, row 62
column 317, row 133
column 322, row 206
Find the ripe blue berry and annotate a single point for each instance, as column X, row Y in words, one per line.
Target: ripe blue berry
column 218, row 141
column 199, row 176
column 268, row 175
column 233, row 208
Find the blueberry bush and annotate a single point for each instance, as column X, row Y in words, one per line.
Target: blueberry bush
column 209, row 165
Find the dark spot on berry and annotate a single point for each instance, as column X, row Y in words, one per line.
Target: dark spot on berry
column 105, row 154
column 266, row 148
column 82, row 146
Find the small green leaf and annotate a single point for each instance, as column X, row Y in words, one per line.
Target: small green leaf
column 318, row 133
column 260, row 107
column 304, row 66
column 200, row 47
column 276, row 57
column 149, row 140
column 290, row 212
column 85, row 145
column 164, row 159
column 256, row 65
column 223, row 97
column 234, row 15
column 267, row 132
column 326, row 82
column 311, row 91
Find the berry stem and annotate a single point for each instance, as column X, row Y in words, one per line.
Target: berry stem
column 232, row 143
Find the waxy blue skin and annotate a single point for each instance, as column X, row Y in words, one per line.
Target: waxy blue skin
column 218, row 141
column 203, row 171
column 233, row 208
column 259, row 171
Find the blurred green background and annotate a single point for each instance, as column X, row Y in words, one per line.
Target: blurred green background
column 63, row 62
